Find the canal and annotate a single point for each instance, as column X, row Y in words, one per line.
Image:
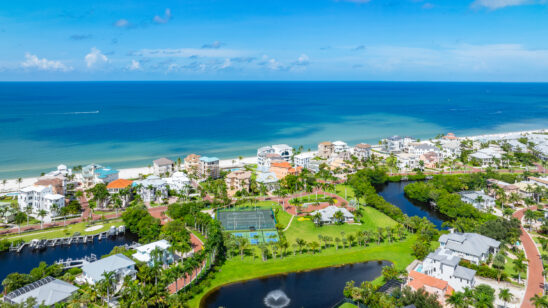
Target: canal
column 27, row 259
column 317, row 288
column 393, row 193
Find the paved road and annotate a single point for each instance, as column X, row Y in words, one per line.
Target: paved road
column 535, row 280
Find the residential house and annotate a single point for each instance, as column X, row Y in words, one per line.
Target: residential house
column 407, row 161
column 540, row 181
column 440, row 288
column 508, row 188
column 116, row 186
column 263, row 163
column 58, row 184
column 144, row 253
column 450, row 148
column 163, row 166
column 340, row 146
column 179, row 182
column 238, row 180
column 478, row 199
column 328, row 214
column 268, row 179
column 151, row 189
column 192, row 164
column 430, row 159
column 418, row 149
column 94, row 174
column 450, row 136
column 314, row 165
column 41, row 198
column 7, row 214
column 488, row 156
column 267, row 160
column 283, row 150
column 48, row 292
column 473, row 247
column 283, row 169
column 325, row 149
column 121, row 265
column 303, row 159
column 396, row 143
column 442, row 264
column 362, row 151
column 209, row 167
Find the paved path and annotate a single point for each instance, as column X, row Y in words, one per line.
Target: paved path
column 289, row 224
column 535, row 280
column 185, row 280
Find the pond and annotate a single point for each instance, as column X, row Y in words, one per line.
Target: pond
column 27, row 259
column 393, row 193
column 317, row 288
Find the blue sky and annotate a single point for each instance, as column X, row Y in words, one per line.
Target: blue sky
column 415, row 40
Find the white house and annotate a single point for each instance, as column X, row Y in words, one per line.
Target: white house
column 41, row 198
column 442, row 264
column 262, row 162
column 143, row 253
column 421, row 148
column 94, row 174
column 151, row 189
column 303, row 159
column 162, row 166
column 487, row 156
column 340, row 146
column 283, row 150
column 407, row 161
column 473, row 247
column 178, row 182
column 478, row 199
column 328, row 214
column 121, row 265
column 268, row 179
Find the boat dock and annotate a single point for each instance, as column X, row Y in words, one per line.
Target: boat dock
column 72, row 263
column 37, row 244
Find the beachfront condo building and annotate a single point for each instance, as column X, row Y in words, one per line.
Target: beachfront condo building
column 362, row 151
column 238, row 180
column 162, row 166
column 209, row 167
column 340, row 146
column 283, row 150
column 303, row 159
column 94, row 174
column 325, row 149
column 192, row 164
column 40, row 198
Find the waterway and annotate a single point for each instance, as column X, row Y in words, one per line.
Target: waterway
column 393, row 193
column 27, row 259
column 317, row 288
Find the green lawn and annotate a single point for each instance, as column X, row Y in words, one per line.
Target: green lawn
column 308, row 231
column 60, row 231
column 509, row 270
column 311, row 198
column 348, row 305
column 340, row 190
column 251, row 267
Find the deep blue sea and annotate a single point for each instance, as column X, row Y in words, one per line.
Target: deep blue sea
column 128, row 124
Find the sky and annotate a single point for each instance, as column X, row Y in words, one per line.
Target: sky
column 383, row 40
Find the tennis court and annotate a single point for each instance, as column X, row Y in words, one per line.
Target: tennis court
column 249, row 220
column 259, row 237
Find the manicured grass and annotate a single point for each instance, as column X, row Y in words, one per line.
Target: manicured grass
column 252, row 267
column 308, row 231
column 340, row 190
column 348, row 305
column 60, row 231
column 509, row 270
column 311, row 198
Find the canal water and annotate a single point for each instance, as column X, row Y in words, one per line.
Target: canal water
column 393, row 193
column 317, row 288
column 27, row 259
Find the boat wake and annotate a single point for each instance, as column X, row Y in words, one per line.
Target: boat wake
column 78, row 112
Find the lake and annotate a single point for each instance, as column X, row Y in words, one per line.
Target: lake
column 317, row 288
column 393, row 193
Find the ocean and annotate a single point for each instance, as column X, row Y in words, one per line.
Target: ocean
column 128, row 124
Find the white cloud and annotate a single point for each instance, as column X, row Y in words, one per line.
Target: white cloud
column 95, row 58
column 121, row 23
column 214, row 45
column 134, row 66
column 498, row 4
column 303, row 60
column 163, row 20
column 226, row 64
column 188, row 52
column 33, row 62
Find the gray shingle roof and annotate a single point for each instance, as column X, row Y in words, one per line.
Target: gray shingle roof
column 470, row 243
column 444, row 259
column 116, row 262
column 464, row 273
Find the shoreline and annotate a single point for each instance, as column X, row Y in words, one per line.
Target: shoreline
column 129, row 173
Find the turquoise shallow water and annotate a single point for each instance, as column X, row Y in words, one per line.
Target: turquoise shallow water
column 127, row 124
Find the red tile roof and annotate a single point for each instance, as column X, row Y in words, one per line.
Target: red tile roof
column 118, row 184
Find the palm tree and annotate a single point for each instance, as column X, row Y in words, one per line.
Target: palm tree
column 505, row 296
column 314, row 246
column 539, row 301
column 19, row 181
column 529, row 216
column 317, row 218
column 42, row 213
column 301, row 243
column 243, row 243
column 28, row 211
column 457, row 300
column 109, row 278
column 520, row 266
column 339, row 217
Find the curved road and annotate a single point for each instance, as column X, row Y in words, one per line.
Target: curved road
column 535, row 280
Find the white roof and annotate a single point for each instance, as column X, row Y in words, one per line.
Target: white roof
column 305, row 155
column 47, row 291
column 281, row 147
column 53, row 196
column 116, row 262
column 143, row 252
column 328, row 212
column 35, row 188
column 339, row 143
